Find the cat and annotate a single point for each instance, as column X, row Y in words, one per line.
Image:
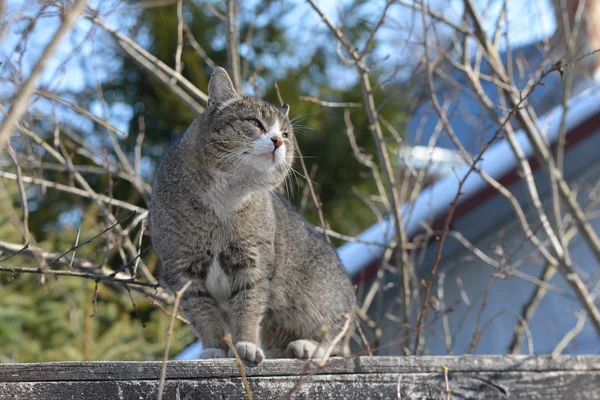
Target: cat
column 258, row 269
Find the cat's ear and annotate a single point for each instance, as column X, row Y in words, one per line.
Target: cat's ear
column 285, row 109
column 220, row 88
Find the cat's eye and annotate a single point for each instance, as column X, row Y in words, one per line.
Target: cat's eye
column 285, row 134
column 257, row 124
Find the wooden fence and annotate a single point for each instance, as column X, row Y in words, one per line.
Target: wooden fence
column 426, row 377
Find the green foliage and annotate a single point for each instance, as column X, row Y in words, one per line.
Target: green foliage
column 61, row 320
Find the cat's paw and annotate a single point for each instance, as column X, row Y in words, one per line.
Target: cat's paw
column 212, row 353
column 248, row 351
column 304, row 349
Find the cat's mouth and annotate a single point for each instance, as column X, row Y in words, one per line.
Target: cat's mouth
column 270, row 155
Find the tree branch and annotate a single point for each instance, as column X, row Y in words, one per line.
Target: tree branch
column 21, row 100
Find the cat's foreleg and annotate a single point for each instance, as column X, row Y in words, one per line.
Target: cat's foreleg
column 247, row 308
column 206, row 320
column 197, row 306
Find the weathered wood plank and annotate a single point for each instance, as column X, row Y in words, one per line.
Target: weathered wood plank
column 110, row 370
column 470, row 377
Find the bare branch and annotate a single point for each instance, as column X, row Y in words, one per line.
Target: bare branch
column 239, row 364
column 515, row 100
column 22, row 194
column 21, row 100
column 378, row 25
column 199, row 50
column 73, row 190
column 332, row 104
column 178, row 65
column 382, row 152
column 159, row 69
column 233, row 42
column 335, row 341
column 88, row 275
column 163, row 372
column 570, row 335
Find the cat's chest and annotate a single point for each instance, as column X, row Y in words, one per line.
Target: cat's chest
column 218, row 283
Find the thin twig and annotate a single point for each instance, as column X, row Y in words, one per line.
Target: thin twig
column 76, row 243
column 196, row 46
column 179, row 50
column 335, row 341
column 163, row 373
column 158, row 68
column 448, row 391
column 233, row 43
column 87, row 275
column 81, row 111
column 559, row 185
column 239, row 364
column 570, row 335
column 383, row 154
column 369, row 41
column 332, row 104
column 22, row 194
column 151, row 289
column 73, row 190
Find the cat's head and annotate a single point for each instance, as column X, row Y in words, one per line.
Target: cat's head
column 245, row 136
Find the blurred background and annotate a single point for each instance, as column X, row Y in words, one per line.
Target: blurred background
column 377, row 128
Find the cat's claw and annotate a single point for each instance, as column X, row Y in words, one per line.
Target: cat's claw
column 248, row 351
column 304, row 349
column 212, row 353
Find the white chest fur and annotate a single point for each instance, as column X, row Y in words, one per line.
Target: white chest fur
column 217, row 284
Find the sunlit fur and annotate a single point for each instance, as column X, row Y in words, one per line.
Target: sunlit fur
column 217, row 219
column 230, row 150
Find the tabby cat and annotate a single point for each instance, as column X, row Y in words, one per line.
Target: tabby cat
column 258, row 270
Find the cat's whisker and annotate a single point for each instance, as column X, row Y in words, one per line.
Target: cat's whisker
column 228, row 156
column 295, row 179
column 304, row 115
column 304, row 130
column 293, row 182
column 288, row 188
column 303, row 127
column 242, row 161
column 305, row 177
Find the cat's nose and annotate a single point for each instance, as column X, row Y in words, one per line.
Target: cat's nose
column 277, row 142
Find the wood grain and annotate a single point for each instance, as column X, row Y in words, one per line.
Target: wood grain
column 470, row 377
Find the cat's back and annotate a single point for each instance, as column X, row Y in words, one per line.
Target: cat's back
column 167, row 179
column 173, row 171
column 299, row 237
column 173, row 206
column 289, row 220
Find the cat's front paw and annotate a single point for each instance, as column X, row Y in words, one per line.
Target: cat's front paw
column 212, row 353
column 248, row 351
column 304, row 349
